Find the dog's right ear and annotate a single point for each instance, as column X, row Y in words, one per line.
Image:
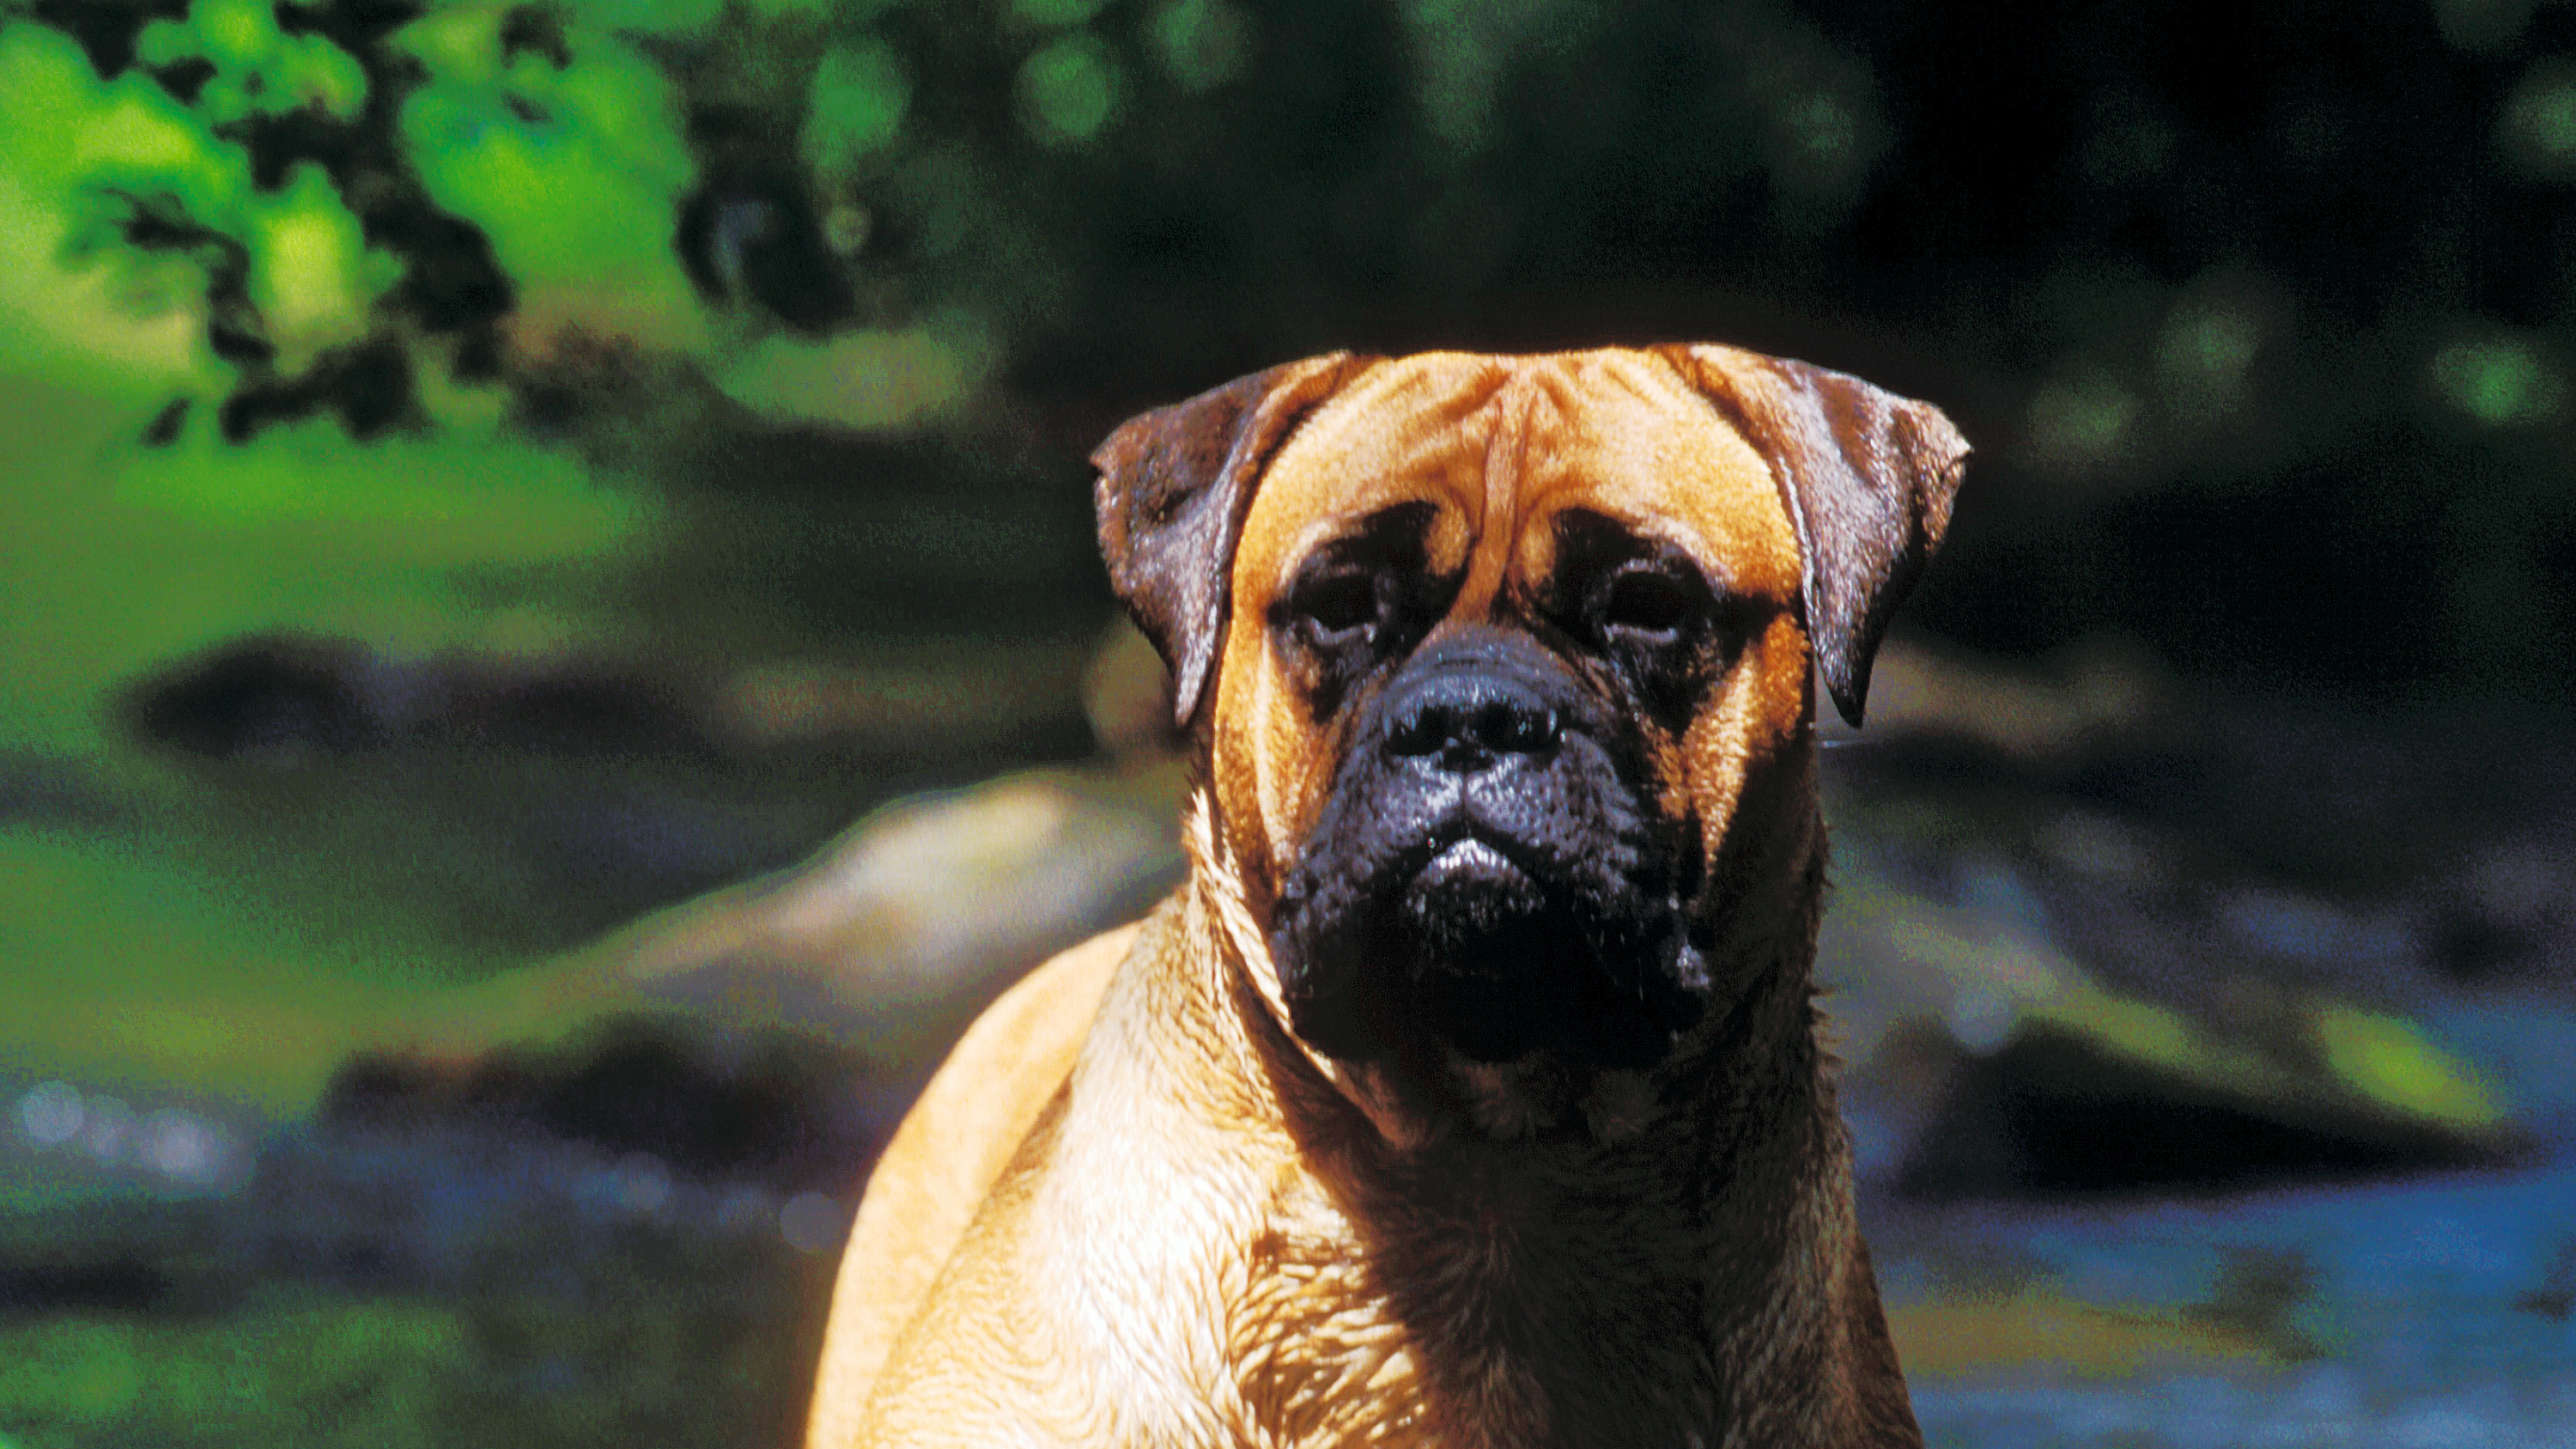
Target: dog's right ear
column 1174, row 487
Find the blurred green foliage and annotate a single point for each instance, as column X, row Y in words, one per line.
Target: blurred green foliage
column 463, row 323
column 377, row 207
column 2163, row 256
column 554, row 157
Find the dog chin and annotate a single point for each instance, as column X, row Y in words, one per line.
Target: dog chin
column 1474, row 955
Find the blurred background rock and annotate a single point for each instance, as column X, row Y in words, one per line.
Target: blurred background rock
column 552, row 653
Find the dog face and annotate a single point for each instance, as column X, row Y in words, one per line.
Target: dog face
column 1493, row 655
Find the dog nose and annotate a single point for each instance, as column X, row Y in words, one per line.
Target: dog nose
column 1464, row 725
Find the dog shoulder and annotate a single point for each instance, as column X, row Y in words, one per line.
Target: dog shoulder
column 944, row 1161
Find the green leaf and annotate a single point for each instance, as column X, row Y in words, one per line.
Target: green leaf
column 856, row 105
column 2498, row 382
column 1201, row 43
column 1068, row 90
column 574, row 174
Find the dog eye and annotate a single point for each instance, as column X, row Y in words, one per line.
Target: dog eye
column 1647, row 601
column 1337, row 606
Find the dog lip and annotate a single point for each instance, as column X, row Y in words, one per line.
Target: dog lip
column 1463, row 844
column 1471, row 850
column 1471, row 856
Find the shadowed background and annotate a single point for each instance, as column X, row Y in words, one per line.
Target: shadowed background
column 552, row 650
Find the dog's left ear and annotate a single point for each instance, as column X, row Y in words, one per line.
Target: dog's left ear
column 1868, row 478
column 1174, row 487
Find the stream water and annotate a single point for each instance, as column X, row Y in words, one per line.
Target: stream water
column 2414, row 1314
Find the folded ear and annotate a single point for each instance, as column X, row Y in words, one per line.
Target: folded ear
column 1174, row 486
column 1868, row 478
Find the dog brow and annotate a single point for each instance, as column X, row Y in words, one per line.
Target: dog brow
column 1404, row 522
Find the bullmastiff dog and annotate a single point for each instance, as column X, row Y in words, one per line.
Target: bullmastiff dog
column 1471, row 1090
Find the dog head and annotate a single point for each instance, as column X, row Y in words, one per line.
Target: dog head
column 1502, row 666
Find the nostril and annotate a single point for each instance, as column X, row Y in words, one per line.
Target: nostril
column 1468, row 731
column 1522, row 731
column 1508, row 727
column 1423, row 732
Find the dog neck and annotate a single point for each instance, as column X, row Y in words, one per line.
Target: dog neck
column 1677, row 1257
column 1242, row 955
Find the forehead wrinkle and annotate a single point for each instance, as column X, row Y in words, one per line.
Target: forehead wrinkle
column 1415, row 430
column 1516, row 430
column 1645, row 451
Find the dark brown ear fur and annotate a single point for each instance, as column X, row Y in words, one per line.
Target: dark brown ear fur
column 1868, row 478
column 1174, row 486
